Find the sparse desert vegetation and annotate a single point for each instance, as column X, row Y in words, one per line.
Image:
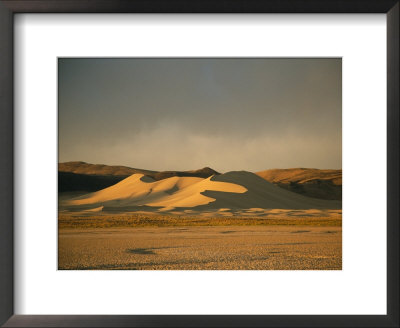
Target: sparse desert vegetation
column 81, row 221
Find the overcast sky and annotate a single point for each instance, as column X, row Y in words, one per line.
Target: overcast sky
column 183, row 114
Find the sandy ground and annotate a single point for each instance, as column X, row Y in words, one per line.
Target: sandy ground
column 202, row 248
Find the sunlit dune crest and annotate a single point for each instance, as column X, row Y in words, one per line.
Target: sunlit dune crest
column 172, row 192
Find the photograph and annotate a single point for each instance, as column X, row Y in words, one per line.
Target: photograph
column 199, row 163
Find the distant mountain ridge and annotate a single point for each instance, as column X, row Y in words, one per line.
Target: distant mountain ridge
column 100, row 169
column 323, row 184
column 301, row 175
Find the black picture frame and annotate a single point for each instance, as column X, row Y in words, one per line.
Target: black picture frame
column 10, row 7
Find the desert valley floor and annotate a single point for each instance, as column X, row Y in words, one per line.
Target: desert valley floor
column 232, row 221
column 284, row 240
column 205, row 248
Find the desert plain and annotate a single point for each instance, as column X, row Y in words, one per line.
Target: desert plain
column 233, row 221
column 172, row 243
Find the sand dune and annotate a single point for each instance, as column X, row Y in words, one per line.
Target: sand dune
column 85, row 177
column 232, row 190
column 167, row 193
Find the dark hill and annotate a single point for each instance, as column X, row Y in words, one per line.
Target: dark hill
column 323, row 184
column 81, row 176
column 68, row 181
column 100, row 169
column 202, row 173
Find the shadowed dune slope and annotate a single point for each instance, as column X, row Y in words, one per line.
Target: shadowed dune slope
column 263, row 194
column 233, row 190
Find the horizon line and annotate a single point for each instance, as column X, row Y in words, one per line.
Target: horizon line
column 205, row 167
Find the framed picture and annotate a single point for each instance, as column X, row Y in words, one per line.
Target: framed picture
column 226, row 214
column 185, row 168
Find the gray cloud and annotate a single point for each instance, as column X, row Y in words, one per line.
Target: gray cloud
column 229, row 114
